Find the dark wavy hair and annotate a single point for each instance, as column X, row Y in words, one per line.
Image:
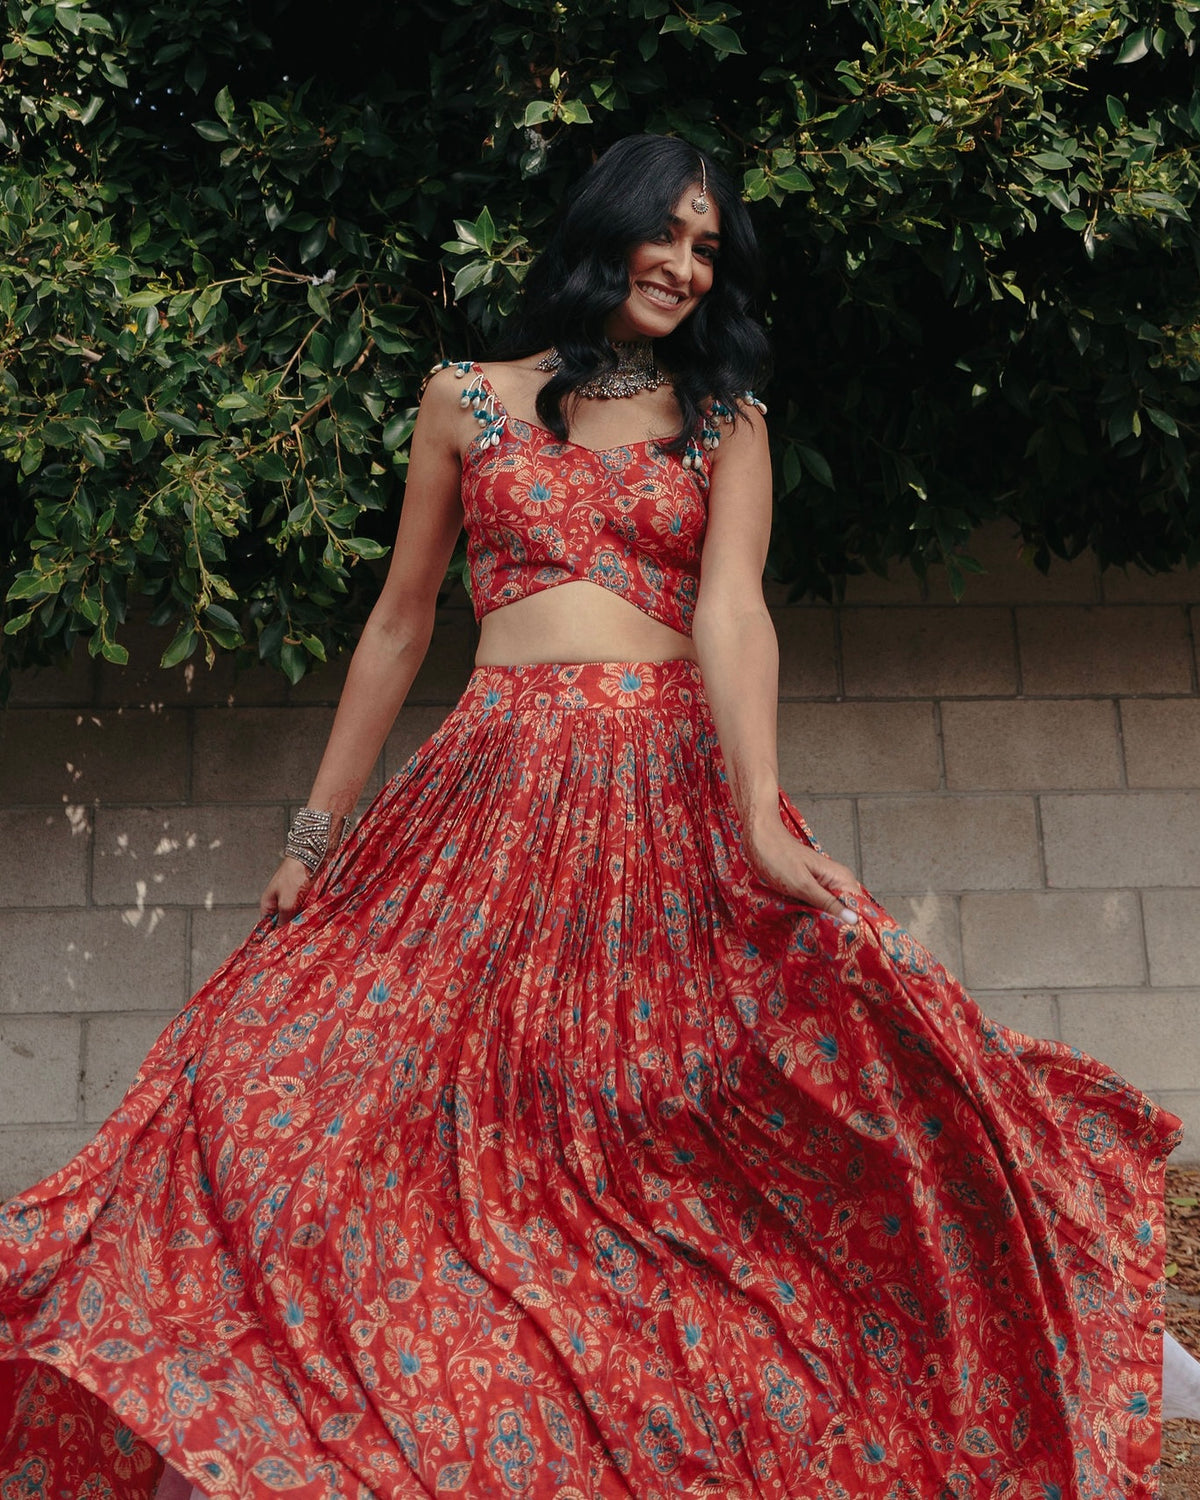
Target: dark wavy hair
column 582, row 276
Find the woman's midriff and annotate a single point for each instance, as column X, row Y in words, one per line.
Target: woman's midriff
column 572, row 622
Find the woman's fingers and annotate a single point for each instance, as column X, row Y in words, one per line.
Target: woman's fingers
column 284, row 895
column 830, row 885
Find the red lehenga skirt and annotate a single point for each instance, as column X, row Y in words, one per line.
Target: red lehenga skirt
column 546, row 1153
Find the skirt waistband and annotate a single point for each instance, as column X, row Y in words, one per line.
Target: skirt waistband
column 538, row 686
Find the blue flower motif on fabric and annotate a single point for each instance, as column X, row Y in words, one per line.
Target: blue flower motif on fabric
column 881, row 1340
column 956, row 1246
column 675, row 918
column 557, row 1424
column 266, row 1213
column 904, row 951
column 353, row 1246
column 783, row 1399
column 404, row 1438
column 698, row 1081
column 615, row 1260
column 512, row 1451
column 608, row 572
column 1096, row 1133
column 660, row 1439
column 1088, row 1292
column 26, row 1483
column 454, row 1271
column 20, row 1222
column 186, row 1392
column 294, row 1035
column 867, row 1122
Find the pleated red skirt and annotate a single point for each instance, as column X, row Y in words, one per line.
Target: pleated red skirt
column 547, row 1153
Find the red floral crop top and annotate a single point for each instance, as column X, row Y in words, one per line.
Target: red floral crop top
column 540, row 512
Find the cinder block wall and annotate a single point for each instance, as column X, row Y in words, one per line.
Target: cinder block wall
column 1015, row 776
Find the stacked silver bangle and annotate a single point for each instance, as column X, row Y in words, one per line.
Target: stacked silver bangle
column 312, row 836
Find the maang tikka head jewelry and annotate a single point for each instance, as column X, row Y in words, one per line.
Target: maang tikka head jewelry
column 700, row 202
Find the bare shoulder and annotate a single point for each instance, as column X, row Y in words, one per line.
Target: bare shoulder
column 743, row 433
column 442, row 389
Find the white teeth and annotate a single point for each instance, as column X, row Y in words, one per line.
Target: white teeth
column 668, row 299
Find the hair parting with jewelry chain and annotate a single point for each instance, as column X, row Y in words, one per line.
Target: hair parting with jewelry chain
column 581, row 277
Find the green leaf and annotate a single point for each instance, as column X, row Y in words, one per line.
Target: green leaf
column 294, row 660
column 816, row 464
column 31, row 586
column 1052, row 161
column 485, row 231
column 1163, row 420
column 472, row 276
column 722, row 39
column 180, row 648
column 349, row 343
column 362, row 546
column 1135, row 47
column 793, row 180
column 218, row 615
column 1116, row 111
column 397, row 430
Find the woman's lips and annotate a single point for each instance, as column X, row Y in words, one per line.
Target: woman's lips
column 660, row 294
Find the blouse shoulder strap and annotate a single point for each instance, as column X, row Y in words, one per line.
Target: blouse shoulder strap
column 478, row 395
column 711, row 420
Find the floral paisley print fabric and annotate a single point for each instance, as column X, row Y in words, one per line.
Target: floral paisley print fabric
column 540, row 512
column 546, row 1153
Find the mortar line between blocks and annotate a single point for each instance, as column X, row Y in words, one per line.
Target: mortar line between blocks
column 81, row 1080
column 1141, row 911
column 189, row 988
column 856, row 836
column 939, row 742
column 1039, row 834
column 1119, row 713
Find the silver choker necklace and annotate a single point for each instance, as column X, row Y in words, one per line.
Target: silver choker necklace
column 636, row 371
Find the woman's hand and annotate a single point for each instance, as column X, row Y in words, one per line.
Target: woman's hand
column 788, row 865
column 286, row 890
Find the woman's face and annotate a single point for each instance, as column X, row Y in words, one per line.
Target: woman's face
column 669, row 274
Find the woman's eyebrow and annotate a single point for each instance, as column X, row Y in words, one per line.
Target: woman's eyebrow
column 709, row 234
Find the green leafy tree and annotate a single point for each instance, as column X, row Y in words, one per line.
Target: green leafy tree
column 233, row 239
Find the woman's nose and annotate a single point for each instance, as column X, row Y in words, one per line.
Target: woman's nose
column 676, row 259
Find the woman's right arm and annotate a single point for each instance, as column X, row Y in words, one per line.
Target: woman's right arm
column 397, row 633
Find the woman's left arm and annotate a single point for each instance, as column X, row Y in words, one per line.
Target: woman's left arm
column 739, row 660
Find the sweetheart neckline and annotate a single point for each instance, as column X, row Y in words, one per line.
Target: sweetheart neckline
column 479, row 447
column 537, row 426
